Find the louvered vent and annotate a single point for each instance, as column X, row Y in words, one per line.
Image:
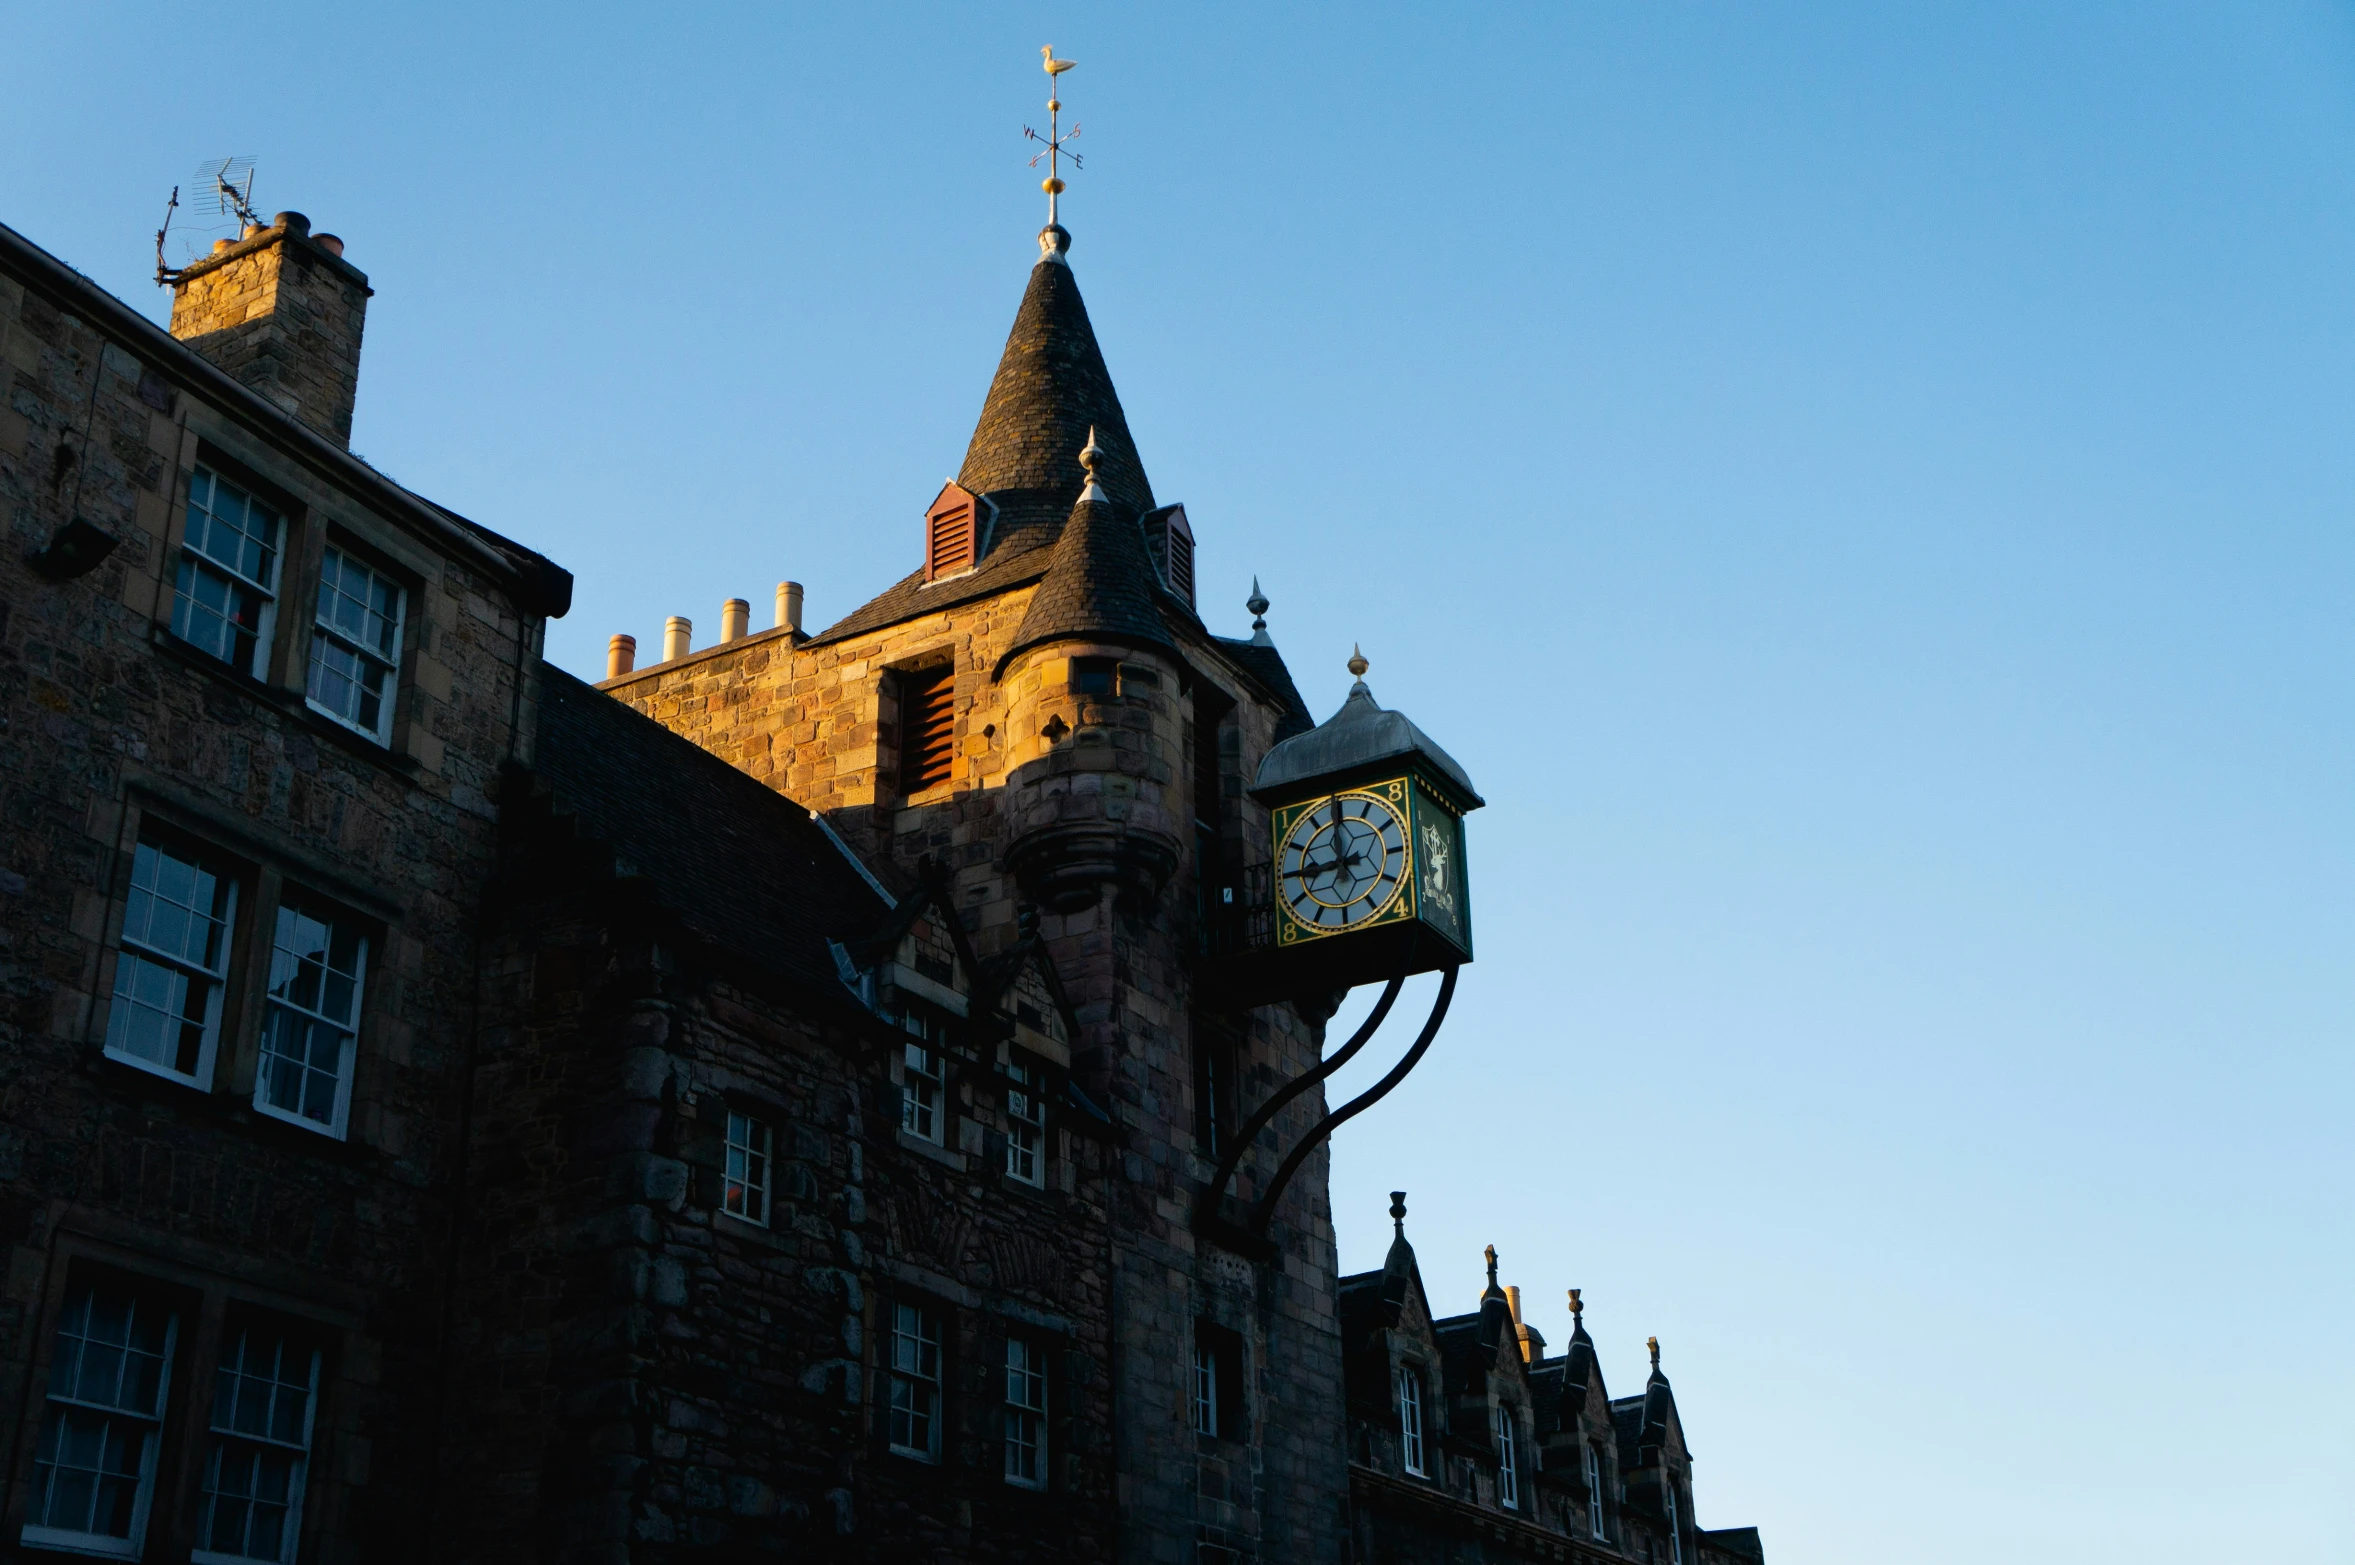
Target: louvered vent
column 927, row 725
column 1171, row 540
column 1181, row 565
column 949, row 534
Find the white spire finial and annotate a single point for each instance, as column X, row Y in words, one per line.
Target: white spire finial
column 1089, row 455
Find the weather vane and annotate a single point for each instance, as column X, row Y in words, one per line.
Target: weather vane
column 1057, row 140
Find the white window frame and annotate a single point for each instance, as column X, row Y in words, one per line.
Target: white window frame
column 1411, row 1454
column 1026, row 1414
column 915, row 1382
column 1595, row 1521
column 150, row 1436
column 280, row 1005
column 219, row 1441
column 1026, row 1126
column 922, row 1102
column 204, row 493
column 334, row 566
column 744, row 1188
column 1204, row 1398
column 137, row 951
column 1675, row 1532
column 1508, row 1459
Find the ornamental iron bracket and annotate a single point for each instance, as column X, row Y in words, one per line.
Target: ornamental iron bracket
column 1250, row 1235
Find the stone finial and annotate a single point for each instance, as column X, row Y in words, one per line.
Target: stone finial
column 1089, row 455
column 1357, row 662
column 1257, row 604
column 1654, row 1344
column 1490, row 1252
column 1577, row 1310
column 1398, row 1212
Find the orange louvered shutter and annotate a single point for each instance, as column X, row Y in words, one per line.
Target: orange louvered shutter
column 949, row 534
column 928, row 720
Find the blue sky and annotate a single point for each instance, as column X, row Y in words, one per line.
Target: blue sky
column 1864, row 489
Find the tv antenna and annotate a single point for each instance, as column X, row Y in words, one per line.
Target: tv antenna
column 1055, row 144
column 224, row 189
column 228, row 189
column 165, row 276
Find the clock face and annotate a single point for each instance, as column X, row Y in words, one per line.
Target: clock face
column 1343, row 862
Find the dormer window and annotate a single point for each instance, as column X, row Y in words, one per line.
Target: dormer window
column 1594, row 1492
column 1508, row 1461
column 951, row 533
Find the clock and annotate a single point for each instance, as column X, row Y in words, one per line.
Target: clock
column 1364, row 879
column 1343, row 863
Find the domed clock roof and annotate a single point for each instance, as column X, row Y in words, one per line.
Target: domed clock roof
column 1360, row 739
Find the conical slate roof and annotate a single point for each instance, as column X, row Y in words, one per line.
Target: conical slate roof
column 1051, row 388
column 1100, row 584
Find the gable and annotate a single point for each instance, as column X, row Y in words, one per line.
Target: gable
column 1030, row 1003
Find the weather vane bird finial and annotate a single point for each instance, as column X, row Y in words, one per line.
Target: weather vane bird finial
column 1055, row 144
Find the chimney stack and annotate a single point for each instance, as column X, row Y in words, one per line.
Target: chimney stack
column 621, row 656
column 735, row 619
column 678, row 636
column 282, row 311
column 789, row 606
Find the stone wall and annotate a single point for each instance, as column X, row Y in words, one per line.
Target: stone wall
column 659, row 1380
column 111, row 729
column 1034, row 758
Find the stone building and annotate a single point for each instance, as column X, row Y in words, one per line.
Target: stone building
column 759, row 1105
column 257, row 703
column 1468, row 1443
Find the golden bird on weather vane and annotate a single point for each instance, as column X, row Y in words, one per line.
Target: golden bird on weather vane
column 1057, row 140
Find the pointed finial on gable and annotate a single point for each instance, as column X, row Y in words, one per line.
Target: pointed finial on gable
column 1398, row 1212
column 1494, row 1292
column 1257, row 604
column 1577, row 1310
column 1654, row 1344
column 1357, row 661
column 1089, row 455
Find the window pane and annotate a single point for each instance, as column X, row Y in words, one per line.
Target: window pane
column 218, row 614
column 915, row 1380
column 233, row 529
column 316, row 965
column 920, row 1092
column 165, row 1012
column 357, row 645
column 746, row 1191
column 1025, row 1416
column 107, row 1375
column 261, row 1432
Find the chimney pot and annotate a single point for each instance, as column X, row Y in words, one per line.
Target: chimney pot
column 735, row 619
column 789, row 606
column 294, row 223
column 220, row 245
column 678, row 634
column 329, row 243
column 621, row 656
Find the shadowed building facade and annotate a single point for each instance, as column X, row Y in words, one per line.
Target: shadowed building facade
column 757, row 1106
